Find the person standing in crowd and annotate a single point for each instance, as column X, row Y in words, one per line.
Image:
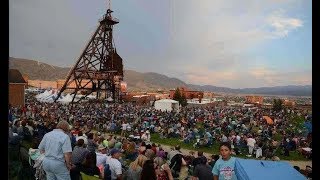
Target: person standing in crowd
column 56, row 146
column 224, row 168
column 114, row 164
column 214, row 159
column 149, row 172
column 174, row 152
column 101, row 155
column 197, row 160
column 124, row 128
column 79, row 152
column 82, row 136
column 92, row 145
column 202, row 171
column 135, row 168
column 250, row 143
column 88, row 167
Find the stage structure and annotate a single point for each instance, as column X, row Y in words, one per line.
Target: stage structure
column 99, row 69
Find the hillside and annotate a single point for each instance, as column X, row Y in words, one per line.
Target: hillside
column 136, row 81
column 149, row 81
column 37, row 70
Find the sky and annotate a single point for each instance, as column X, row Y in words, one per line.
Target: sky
column 236, row 44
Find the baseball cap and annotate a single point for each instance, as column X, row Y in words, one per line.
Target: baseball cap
column 101, row 147
column 114, row 151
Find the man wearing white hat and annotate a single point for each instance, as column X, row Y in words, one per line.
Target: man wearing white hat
column 101, row 155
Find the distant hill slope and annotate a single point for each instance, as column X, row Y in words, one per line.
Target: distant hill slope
column 292, row 90
column 37, row 70
column 136, row 80
column 149, row 81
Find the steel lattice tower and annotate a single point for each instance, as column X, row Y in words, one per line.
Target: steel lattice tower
column 99, row 68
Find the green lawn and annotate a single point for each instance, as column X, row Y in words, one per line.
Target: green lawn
column 174, row 141
column 294, row 155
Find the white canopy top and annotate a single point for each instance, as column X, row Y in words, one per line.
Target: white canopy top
column 167, row 100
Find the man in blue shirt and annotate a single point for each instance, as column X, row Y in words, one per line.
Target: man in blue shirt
column 56, row 146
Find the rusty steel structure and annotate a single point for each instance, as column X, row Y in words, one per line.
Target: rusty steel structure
column 99, row 69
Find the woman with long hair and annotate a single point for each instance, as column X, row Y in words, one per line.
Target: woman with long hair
column 148, row 171
column 131, row 152
column 151, row 171
column 135, row 168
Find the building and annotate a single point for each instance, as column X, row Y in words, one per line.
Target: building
column 254, row 99
column 288, row 103
column 138, row 98
column 17, row 85
column 208, row 95
column 187, row 93
column 61, row 82
column 26, row 78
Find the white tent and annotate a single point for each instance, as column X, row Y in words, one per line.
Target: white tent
column 166, row 105
column 91, row 96
column 66, row 99
column 109, row 99
column 44, row 94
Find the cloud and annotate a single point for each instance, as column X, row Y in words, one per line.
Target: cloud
column 273, row 77
column 207, row 42
column 46, row 30
column 256, row 77
column 216, row 36
column 216, row 33
column 282, row 25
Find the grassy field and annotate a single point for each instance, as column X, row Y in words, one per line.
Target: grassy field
column 294, row 155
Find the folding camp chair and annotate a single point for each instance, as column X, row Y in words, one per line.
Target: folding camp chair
column 87, row 177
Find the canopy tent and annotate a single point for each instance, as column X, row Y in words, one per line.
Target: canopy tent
column 250, row 169
column 268, row 119
column 47, row 96
column 166, row 105
column 65, row 99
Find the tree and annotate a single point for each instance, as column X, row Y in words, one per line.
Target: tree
column 183, row 101
column 277, row 105
column 177, row 95
column 181, row 98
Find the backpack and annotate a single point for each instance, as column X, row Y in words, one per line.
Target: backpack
column 107, row 172
column 26, row 134
column 175, row 165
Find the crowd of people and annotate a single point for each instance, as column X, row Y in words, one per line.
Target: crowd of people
column 114, row 140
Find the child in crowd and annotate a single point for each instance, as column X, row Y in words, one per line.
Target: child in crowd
column 224, row 167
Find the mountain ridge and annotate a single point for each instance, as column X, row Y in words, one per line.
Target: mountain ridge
column 150, row 81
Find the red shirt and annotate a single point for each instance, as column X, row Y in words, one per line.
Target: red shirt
column 154, row 149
